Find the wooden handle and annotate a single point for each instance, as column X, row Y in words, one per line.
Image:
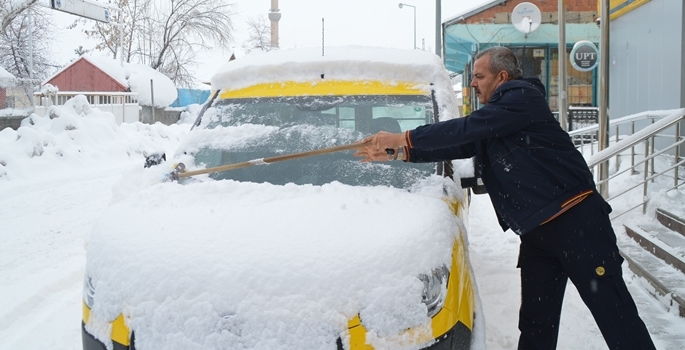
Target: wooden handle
column 262, row 161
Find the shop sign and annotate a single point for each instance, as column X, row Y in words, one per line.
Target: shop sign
column 584, row 56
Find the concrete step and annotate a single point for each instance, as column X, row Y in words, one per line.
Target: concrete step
column 663, row 281
column 663, row 243
column 670, row 220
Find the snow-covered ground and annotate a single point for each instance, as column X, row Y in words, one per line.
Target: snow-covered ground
column 56, row 178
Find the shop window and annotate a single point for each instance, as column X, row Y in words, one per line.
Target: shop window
column 543, row 63
column 579, row 92
column 534, row 63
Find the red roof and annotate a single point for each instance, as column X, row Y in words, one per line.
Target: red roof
column 83, row 76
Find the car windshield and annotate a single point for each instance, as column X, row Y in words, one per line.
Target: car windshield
column 240, row 130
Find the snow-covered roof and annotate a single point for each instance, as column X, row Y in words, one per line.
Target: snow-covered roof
column 343, row 63
column 137, row 78
column 349, row 63
column 6, row 78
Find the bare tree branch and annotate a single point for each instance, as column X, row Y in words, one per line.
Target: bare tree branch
column 9, row 10
column 260, row 35
column 186, row 26
column 166, row 35
column 15, row 49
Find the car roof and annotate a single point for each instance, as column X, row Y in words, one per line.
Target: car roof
column 354, row 70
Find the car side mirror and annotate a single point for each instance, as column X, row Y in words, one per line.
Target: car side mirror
column 154, row 159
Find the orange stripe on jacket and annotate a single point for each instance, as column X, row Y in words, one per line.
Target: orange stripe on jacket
column 569, row 204
column 407, row 137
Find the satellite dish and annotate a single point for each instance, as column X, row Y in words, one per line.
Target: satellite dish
column 526, row 17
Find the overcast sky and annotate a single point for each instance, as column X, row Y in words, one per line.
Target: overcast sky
column 347, row 22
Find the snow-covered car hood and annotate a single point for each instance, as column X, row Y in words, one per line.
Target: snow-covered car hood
column 225, row 264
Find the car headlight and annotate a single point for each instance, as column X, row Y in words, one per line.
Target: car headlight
column 88, row 291
column 434, row 289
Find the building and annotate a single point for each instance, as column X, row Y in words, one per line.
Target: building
column 491, row 25
column 6, row 80
column 14, row 93
column 112, row 86
column 647, row 62
column 84, row 74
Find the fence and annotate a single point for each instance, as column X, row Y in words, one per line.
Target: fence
column 124, row 105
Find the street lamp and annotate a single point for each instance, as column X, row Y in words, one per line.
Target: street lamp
column 414, row 7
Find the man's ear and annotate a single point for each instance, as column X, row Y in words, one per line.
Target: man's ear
column 503, row 76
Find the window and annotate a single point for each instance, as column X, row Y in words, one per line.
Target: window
column 543, row 63
column 579, row 92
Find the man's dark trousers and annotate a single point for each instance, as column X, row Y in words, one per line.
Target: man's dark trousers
column 580, row 245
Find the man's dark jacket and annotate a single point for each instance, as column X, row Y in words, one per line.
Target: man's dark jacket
column 527, row 162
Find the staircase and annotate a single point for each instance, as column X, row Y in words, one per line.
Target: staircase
column 656, row 252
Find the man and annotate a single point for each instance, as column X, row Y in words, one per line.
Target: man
column 541, row 188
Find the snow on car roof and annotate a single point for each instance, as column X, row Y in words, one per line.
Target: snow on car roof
column 341, row 63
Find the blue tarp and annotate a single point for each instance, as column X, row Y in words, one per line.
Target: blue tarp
column 190, row 96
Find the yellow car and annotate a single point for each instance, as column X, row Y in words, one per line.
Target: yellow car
column 323, row 252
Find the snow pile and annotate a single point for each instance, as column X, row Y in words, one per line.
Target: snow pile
column 77, row 135
column 351, row 63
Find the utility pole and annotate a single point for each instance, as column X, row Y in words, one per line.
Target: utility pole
column 604, row 95
column 33, row 101
column 563, row 99
column 438, row 28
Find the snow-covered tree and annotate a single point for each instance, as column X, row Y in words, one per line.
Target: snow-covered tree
column 10, row 9
column 15, row 46
column 132, row 15
column 80, row 51
column 259, row 35
column 167, row 34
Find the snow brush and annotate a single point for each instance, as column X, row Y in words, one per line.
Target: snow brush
column 179, row 170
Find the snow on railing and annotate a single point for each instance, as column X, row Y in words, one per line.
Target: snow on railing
column 669, row 118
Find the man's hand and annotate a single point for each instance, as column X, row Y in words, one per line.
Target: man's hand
column 376, row 150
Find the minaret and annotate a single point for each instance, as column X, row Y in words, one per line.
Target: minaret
column 274, row 16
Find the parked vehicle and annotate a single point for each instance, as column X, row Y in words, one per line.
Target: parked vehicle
column 322, row 252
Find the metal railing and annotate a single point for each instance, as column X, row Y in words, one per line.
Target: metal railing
column 660, row 121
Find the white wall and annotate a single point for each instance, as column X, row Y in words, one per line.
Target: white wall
column 646, row 63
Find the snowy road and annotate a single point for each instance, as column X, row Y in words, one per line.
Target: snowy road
column 42, row 256
column 45, row 224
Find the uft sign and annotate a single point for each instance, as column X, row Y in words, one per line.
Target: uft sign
column 584, row 56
